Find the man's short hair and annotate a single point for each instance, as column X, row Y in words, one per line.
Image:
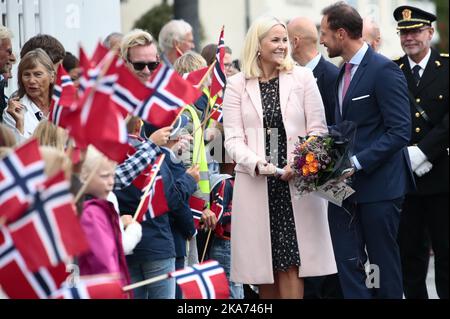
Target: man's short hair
column 49, row 44
column 133, row 39
column 341, row 15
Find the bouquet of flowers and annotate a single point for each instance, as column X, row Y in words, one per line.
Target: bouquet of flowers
column 320, row 162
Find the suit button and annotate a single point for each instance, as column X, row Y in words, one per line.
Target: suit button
column 418, row 130
column 417, row 114
column 418, row 100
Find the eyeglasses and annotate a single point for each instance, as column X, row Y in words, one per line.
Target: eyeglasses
column 413, row 32
column 228, row 65
column 139, row 66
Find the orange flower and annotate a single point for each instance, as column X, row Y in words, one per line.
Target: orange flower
column 313, row 169
column 305, row 170
column 310, row 158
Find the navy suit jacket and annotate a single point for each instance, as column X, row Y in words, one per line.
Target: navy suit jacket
column 377, row 101
column 326, row 74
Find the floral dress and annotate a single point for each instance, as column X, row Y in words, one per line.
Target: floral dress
column 285, row 252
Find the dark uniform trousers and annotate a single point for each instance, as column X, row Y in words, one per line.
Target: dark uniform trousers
column 424, row 220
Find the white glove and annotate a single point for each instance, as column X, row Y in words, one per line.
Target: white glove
column 423, row 168
column 416, row 156
column 266, row 169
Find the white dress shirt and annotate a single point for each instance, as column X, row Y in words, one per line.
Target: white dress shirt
column 422, row 64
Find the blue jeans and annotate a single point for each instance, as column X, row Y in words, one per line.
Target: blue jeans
column 164, row 289
column 221, row 251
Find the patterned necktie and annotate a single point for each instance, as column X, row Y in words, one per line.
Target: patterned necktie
column 416, row 74
column 347, row 79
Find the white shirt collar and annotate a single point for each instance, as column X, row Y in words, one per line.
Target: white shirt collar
column 423, row 63
column 314, row 62
column 359, row 56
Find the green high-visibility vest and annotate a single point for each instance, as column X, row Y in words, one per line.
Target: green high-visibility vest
column 199, row 154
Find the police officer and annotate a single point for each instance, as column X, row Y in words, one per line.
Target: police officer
column 425, row 215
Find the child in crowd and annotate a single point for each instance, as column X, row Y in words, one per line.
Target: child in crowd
column 100, row 220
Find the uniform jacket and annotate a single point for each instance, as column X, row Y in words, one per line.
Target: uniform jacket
column 430, row 136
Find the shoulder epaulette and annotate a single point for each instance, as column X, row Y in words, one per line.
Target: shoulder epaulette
column 444, row 55
column 397, row 59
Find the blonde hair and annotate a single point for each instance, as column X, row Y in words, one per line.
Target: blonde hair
column 4, row 151
column 188, row 62
column 48, row 134
column 134, row 38
column 7, row 138
column 55, row 160
column 94, row 159
column 257, row 32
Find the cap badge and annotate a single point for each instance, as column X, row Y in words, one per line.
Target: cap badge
column 406, row 14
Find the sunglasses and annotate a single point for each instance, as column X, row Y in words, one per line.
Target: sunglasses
column 139, row 66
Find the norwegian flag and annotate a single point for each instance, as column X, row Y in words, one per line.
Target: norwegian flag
column 102, row 124
column 170, row 92
column 155, row 203
column 217, row 205
column 17, row 282
column 196, row 76
column 203, row 281
column 91, row 68
column 49, row 232
column 20, row 173
column 219, row 79
column 217, row 115
column 63, row 100
column 93, row 287
column 64, row 91
column 129, row 92
column 197, row 205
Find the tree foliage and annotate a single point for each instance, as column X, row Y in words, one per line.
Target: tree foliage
column 154, row 19
column 442, row 24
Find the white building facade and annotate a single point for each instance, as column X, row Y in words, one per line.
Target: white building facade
column 71, row 21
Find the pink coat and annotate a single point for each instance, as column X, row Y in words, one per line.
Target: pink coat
column 100, row 222
column 303, row 114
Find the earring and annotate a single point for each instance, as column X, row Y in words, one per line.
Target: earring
column 259, row 54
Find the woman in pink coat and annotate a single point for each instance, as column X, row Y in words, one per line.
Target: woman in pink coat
column 277, row 238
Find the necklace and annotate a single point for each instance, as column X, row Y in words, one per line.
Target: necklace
column 267, row 123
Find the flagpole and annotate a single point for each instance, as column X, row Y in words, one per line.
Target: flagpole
column 206, row 245
column 146, row 282
column 149, row 187
column 178, row 116
column 206, row 74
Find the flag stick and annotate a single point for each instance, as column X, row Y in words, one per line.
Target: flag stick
column 89, row 179
column 206, row 74
column 205, row 121
column 148, row 188
column 206, row 245
column 146, row 282
column 178, row 116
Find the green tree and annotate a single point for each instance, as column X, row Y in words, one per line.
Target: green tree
column 154, row 19
column 442, row 24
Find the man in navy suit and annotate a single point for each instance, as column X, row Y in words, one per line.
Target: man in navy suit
column 371, row 92
column 303, row 36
